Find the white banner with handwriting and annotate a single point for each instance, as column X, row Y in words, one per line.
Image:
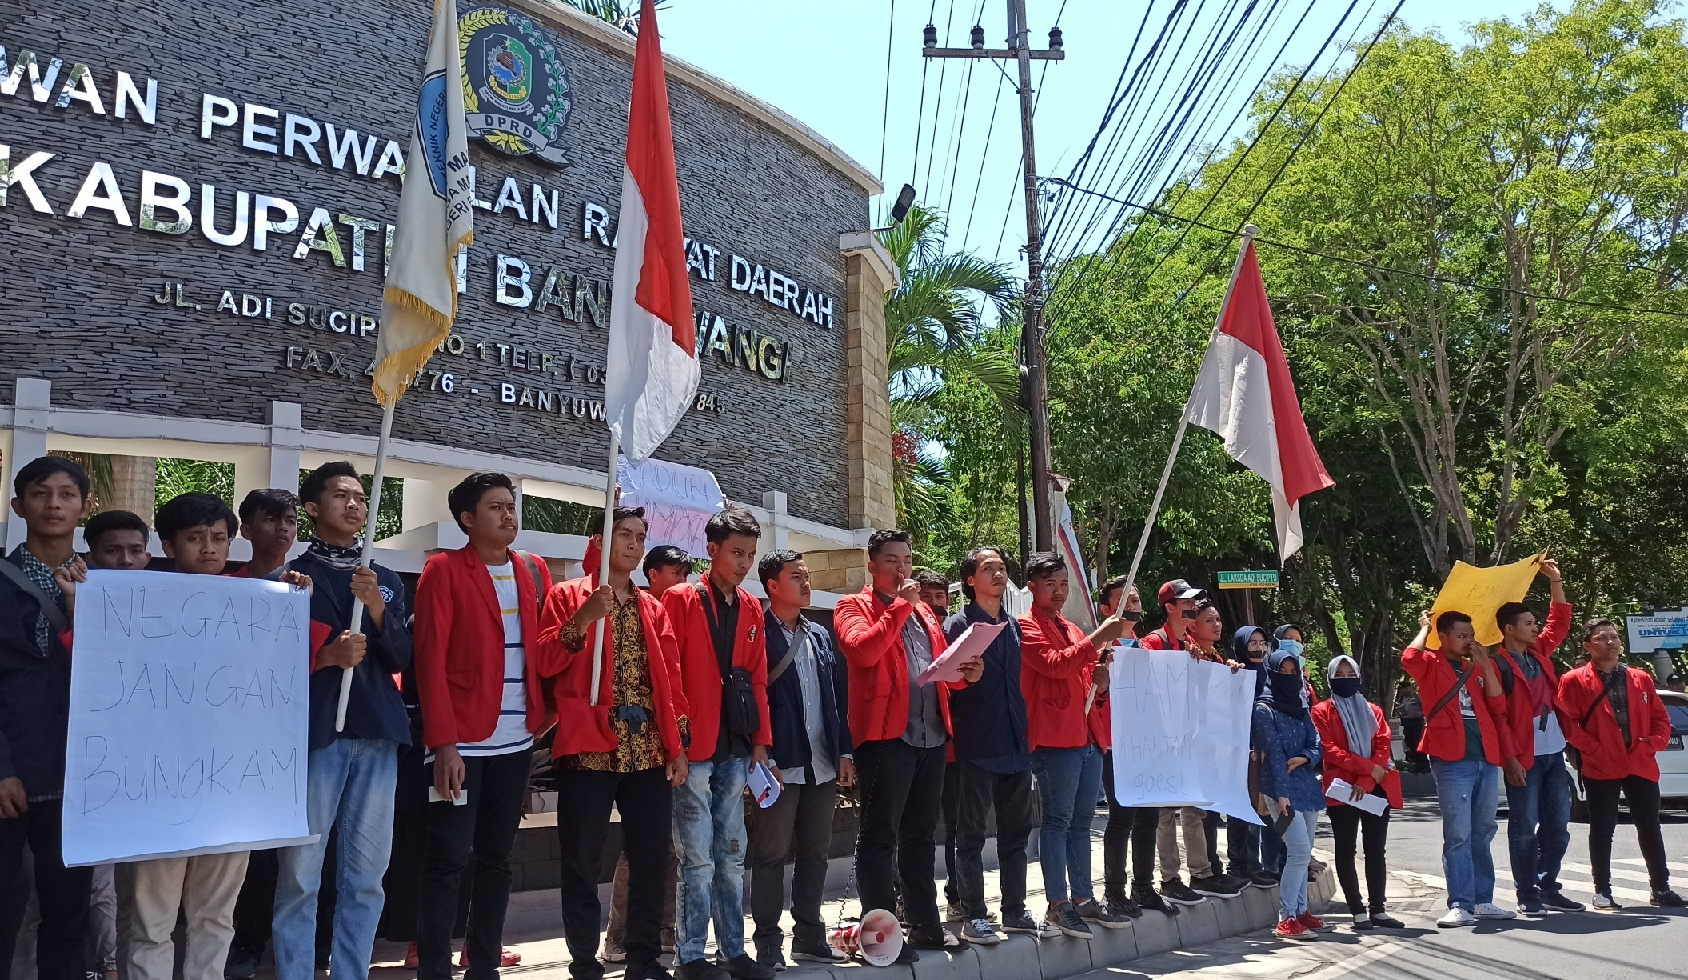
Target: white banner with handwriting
column 189, row 710
column 678, row 500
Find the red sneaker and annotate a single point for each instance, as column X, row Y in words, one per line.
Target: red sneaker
column 411, row 960
column 1292, row 929
column 506, row 957
column 1312, row 922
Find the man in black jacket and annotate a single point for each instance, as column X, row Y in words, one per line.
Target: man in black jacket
column 811, row 750
column 50, row 496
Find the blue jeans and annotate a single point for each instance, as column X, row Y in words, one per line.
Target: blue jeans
column 1538, row 825
column 350, row 785
column 1298, row 853
column 1067, row 782
column 1466, row 792
column 709, row 835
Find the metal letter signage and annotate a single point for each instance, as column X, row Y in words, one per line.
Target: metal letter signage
column 515, row 92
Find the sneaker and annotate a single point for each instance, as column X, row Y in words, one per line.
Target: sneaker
column 1489, row 910
column 902, row 912
column 1091, row 910
column 242, row 963
column 1235, row 882
column 1023, row 923
column 1455, row 918
column 1214, row 886
column 1292, row 929
column 700, row 969
column 1065, row 918
column 1667, row 899
column 979, row 932
column 613, row 951
column 742, row 967
column 804, row 953
column 1531, row 906
column 955, row 912
column 1150, row 901
column 1178, row 893
column 1261, row 879
column 650, row 971
column 1384, row 920
column 1362, row 922
column 1315, row 867
column 935, row 938
column 1125, row 907
column 1313, row 922
column 771, row 958
column 908, row 956
column 1604, row 903
column 506, row 957
column 1559, row 903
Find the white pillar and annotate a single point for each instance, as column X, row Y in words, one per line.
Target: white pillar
column 777, row 535
column 31, row 418
column 425, row 503
column 286, row 419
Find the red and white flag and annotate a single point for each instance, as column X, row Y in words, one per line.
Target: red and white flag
column 651, row 372
column 1244, row 393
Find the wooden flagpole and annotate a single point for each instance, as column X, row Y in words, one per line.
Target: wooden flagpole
column 369, row 526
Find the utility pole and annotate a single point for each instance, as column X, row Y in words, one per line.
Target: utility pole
column 1036, row 380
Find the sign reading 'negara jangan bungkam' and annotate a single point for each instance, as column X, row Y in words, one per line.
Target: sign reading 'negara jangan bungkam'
column 189, row 708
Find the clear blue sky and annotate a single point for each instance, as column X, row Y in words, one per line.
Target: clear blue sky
column 825, row 63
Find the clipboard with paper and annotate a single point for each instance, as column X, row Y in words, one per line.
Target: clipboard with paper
column 968, row 647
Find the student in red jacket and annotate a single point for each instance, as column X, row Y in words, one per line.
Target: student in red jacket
column 1057, row 666
column 628, row 750
column 1358, row 750
column 1538, row 786
column 724, row 660
column 477, row 631
column 1614, row 717
column 1466, row 737
column 900, row 726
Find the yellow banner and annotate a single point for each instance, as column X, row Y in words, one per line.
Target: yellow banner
column 1480, row 592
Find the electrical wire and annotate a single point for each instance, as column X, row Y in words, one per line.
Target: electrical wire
column 885, row 121
column 937, row 107
column 920, row 113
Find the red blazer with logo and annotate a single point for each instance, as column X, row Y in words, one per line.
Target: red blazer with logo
column 581, row 727
column 459, row 635
column 1055, row 664
column 870, row 634
column 1342, row 760
column 1520, row 711
column 1600, row 741
column 702, row 671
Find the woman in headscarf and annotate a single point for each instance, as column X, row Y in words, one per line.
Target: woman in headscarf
column 1288, row 639
column 1255, row 852
column 1356, row 740
column 1291, row 743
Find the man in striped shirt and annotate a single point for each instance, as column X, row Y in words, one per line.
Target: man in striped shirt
column 477, row 614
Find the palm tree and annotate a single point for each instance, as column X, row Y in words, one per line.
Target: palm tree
column 933, row 331
column 624, row 14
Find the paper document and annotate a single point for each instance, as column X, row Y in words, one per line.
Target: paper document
column 1342, row 790
column 968, row 647
column 764, row 788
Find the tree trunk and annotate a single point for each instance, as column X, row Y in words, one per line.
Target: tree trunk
column 134, row 486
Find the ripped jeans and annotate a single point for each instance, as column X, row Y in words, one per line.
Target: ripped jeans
column 710, row 839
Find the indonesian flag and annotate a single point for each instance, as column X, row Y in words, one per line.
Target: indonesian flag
column 1244, row 393
column 652, row 369
column 436, row 220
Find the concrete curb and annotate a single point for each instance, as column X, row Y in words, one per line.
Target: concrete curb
column 1025, row 958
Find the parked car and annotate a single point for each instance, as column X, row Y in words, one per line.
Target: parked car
column 1673, row 763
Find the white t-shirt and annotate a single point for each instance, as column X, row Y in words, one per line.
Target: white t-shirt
column 511, row 734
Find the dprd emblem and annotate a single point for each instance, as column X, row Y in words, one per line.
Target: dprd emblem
column 515, row 91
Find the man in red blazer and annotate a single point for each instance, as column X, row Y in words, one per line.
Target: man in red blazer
column 900, row 727
column 626, row 751
column 1614, row 717
column 477, row 627
column 724, row 661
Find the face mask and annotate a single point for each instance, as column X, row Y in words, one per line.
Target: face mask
column 1286, row 688
column 1345, row 687
column 1294, row 648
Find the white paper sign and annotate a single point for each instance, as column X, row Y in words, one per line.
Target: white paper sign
column 1343, row 791
column 678, row 501
column 189, row 710
column 1180, row 732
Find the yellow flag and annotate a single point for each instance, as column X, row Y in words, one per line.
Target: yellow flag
column 1480, row 592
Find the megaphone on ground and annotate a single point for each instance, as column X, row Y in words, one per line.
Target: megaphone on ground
column 877, row 937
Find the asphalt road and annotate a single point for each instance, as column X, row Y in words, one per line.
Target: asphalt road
column 1638, row 942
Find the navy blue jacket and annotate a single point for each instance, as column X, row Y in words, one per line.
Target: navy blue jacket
column 785, row 697
column 1282, row 738
column 989, row 716
column 34, row 696
column 376, row 708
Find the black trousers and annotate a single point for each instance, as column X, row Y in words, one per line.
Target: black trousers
column 952, row 825
column 1642, row 795
column 1210, row 829
column 254, row 910
column 901, row 791
column 482, row 829
column 62, row 892
column 645, row 801
column 1347, row 825
column 978, row 790
column 799, row 827
column 1133, row 825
